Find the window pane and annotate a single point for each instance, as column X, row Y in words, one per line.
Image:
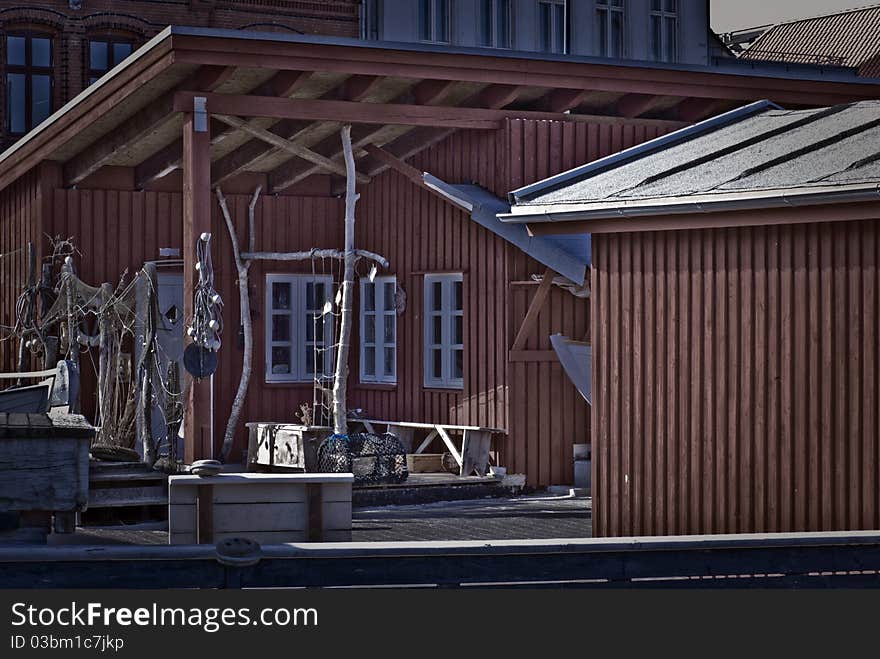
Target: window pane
column 602, row 20
column 438, row 363
column 369, row 297
column 670, row 39
column 616, row 34
column 669, row 5
column 369, row 329
column 389, row 361
column 389, row 296
column 311, row 358
column 437, row 336
column 281, row 327
column 15, row 51
column 389, row 329
column 655, row 5
column 369, row 361
column 425, row 20
column 503, row 29
column 281, row 295
column 310, row 327
column 486, row 22
column 457, row 330
column 544, row 19
column 41, row 51
column 457, row 364
column 281, row 359
column 120, row 52
column 437, row 296
column 440, row 20
column 457, row 302
column 41, row 93
column 98, row 55
column 15, row 102
column 559, row 28
column 656, row 51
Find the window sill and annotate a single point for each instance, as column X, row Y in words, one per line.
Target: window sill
column 440, row 389
column 377, row 386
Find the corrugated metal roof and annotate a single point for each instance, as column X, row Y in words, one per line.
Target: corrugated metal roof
column 567, row 255
column 850, row 38
column 770, row 151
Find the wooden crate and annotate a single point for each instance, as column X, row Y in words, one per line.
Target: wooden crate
column 422, row 463
column 286, row 446
column 266, row 508
column 44, row 462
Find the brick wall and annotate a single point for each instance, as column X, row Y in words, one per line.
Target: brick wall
column 138, row 20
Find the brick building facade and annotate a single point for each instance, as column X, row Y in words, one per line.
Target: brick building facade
column 68, row 36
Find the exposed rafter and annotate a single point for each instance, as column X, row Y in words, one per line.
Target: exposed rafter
column 143, row 123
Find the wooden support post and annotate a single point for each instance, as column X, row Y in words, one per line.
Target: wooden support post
column 196, row 220
column 534, row 309
column 204, row 514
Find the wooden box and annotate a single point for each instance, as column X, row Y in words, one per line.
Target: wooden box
column 422, row 463
column 44, row 462
column 284, row 445
column 267, row 508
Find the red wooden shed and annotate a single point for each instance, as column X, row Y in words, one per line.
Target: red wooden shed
column 736, row 320
column 123, row 170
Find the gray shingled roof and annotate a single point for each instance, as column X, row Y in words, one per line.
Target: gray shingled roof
column 757, row 151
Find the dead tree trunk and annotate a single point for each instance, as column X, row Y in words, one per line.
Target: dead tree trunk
column 247, row 326
column 340, row 380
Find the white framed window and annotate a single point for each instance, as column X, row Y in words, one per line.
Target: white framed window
column 552, row 26
column 379, row 330
column 299, row 331
column 495, row 23
column 610, row 22
column 434, row 20
column 444, row 331
column 664, row 30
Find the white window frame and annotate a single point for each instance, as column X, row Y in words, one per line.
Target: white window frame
column 433, row 8
column 297, row 330
column 605, row 12
column 663, row 15
column 555, row 48
column 490, row 10
column 447, row 347
column 379, row 344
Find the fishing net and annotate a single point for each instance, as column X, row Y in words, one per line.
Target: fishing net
column 373, row 459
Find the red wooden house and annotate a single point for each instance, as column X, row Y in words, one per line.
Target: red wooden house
column 441, row 136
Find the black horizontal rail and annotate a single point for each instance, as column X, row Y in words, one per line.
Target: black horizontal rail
column 772, row 560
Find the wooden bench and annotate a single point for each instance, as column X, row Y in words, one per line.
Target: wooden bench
column 472, row 454
column 266, row 508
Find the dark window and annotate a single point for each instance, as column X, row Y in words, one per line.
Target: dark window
column 664, row 30
column 552, row 28
column 495, row 23
column 434, row 20
column 610, row 21
column 104, row 54
column 28, row 81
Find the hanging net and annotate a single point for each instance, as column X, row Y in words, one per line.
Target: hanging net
column 373, row 459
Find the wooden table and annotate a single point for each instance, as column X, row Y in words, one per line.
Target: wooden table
column 472, row 455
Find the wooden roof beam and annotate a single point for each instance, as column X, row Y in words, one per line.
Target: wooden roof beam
column 564, row 100
column 635, row 105
column 288, row 145
column 142, row 123
column 427, row 92
column 692, row 110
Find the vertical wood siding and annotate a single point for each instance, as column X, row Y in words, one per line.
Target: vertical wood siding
column 19, row 224
column 736, row 380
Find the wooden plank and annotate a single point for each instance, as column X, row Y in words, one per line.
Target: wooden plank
column 531, row 318
column 475, row 453
column 532, row 356
column 449, row 444
column 197, row 204
column 44, row 474
column 204, row 514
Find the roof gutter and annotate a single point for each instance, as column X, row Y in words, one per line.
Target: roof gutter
column 694, row 207
column 640, row 150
